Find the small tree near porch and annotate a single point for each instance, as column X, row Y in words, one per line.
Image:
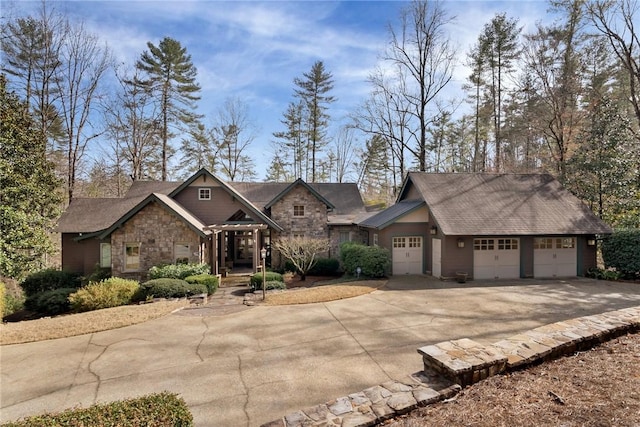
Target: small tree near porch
column 301, row 251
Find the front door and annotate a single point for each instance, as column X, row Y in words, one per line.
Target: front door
column 243, row 248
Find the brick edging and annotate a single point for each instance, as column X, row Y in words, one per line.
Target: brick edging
column 464, row 362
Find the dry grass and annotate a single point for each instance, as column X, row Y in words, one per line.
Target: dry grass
column 600, row 387
column 84, row 323
column 324, row 293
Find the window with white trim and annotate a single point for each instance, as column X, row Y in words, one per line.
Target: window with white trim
column 132, row 256
column 181, row 253
column 345, row 236
column 204, row 194
column 298, row 210
column 105, row 255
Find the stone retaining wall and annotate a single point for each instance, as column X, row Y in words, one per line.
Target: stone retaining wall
column 451, row 365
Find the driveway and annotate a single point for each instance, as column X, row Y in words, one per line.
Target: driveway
column 250, row 367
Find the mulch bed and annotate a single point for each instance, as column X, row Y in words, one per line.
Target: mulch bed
column 595, row 388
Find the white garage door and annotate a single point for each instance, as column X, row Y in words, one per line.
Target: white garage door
column 496, row 258
column 555, row 257
column 407, row 255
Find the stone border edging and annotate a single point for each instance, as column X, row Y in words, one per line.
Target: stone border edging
column 464, row 362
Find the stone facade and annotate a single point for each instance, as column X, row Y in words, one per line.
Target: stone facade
column 157, row 230
column 337, row 233
column 313, row 224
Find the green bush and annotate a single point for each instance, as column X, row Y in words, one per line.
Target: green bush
column 48, row 280
column 274, row 284
column 154, row 410
column 112, row 292
column 255, row 282
column 3, row 299
column 325, row 267
column 598, row 273
column 98, row 275
column 51, row 303
column 210, row 281
column 373, row 260
column 170, row 288
column 620, row 251
column 177, row 271
column 12, row 304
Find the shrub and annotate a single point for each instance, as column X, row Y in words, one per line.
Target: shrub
column 210, row 281
column 158, row 410
column 170, row 288
column 620, row 251
column 52, row 302
column 111, row 292
column 270, row 276
column 98, row 275
column 12, row 304
column 177, row 271
column 325, row 267
column 373, row 260
column 274, row 284
column 598, row 273
column 48, row 280
column 3, row 299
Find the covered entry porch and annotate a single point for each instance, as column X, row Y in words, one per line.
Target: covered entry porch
column 237, row 246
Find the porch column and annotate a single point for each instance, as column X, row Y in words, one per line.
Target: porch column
column 256, row 250
column 214, row 253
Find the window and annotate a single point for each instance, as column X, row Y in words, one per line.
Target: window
column 415, row 242
column 204, row 194
column 483, row 244
column 105, row 255
column 132, row 256
column 181, row 253
column 399, row 242
column 507, row 244
column 542, row 243
column 375, row 239
column 345, row 236
column 567, row 243
column 298, row 210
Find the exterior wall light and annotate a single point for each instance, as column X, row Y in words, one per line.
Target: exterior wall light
column 460, row 243
column 591, row 242
column 434, row 229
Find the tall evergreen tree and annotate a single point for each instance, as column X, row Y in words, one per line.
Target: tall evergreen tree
column 292, row 140
column 171, row 77
column 29, row 190
column 313, row 90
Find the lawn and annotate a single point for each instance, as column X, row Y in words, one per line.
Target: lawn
column 324, row 293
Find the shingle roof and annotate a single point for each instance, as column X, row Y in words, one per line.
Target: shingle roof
column 345, row 197
column 91, row 214
column 142, row 189
column 391, row 214
column 503, row 204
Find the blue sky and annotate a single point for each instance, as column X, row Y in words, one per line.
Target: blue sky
column 253, row 50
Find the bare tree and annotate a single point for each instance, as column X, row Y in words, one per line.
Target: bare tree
column 234, row 133
column 344, row 152
column 421, row 50
column 303, row 252
column 84, row 61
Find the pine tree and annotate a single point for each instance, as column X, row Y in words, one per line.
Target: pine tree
column 29, row 196
column 313, row 91
column 171, row 77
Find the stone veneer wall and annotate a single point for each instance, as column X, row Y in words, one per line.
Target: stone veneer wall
column 313, row 224
column 157, row 230
column 356, row 235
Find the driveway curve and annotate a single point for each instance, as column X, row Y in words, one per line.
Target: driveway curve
column 250, row 367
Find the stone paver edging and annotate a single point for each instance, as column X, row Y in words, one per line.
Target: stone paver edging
column 463, row 362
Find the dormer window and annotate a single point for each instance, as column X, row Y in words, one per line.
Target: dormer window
column 204, row 194
column 298, row 210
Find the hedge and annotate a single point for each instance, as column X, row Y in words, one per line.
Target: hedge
column 620, row 251
column 112, row 292
column 169, row 288
column 154, row 410
column 325, row 267
column 177, row 271
column 373, row 260
column 270, row 276
column 210, row 281
column 49, row 280
column 51, row 303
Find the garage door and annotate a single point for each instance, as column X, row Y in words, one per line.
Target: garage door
column 407, row 255
column 496, row 258
column 555, row 257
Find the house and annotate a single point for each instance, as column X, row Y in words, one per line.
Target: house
column 204, row 219
column 487, row 226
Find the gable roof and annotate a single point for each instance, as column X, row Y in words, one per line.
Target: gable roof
column 345, row 197
column 390, row 215
column 259, row 215
column 502, row 204
column 168, row 203
column 293, row 185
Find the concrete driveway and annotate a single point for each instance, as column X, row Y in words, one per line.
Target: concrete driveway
column 250, row 367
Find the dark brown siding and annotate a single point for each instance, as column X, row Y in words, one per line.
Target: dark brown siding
column 587, row 255
column 412, row 193
column 80, row 257
column 215, row 211
column 455, row 259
